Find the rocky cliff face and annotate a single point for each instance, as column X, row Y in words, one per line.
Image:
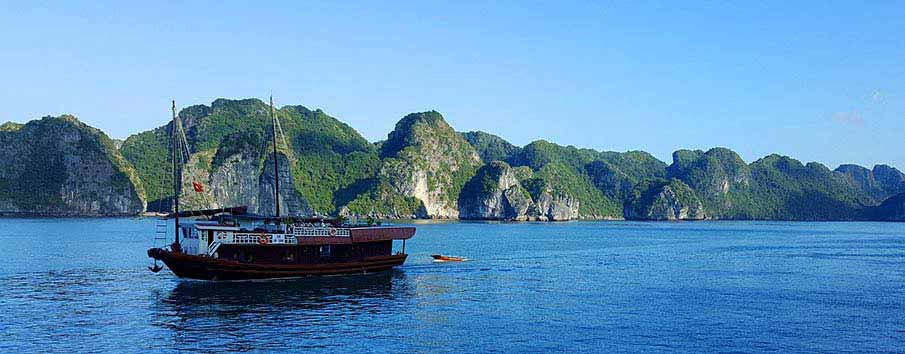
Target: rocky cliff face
column 231, row 154
column 235, row 170
column 890, row 179
column 559, row 183
column 59, row 166
column 425, row 159
column 551, row 206
column 718, row 175
column 662, row 200
column 291, row 201
column 879, row 184
column 500, row 192
column 495, row 193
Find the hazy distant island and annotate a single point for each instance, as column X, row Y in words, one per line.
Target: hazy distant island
column 58, row 166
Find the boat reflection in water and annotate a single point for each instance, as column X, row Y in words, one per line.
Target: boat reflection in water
column 278, row 314
column 348, row 291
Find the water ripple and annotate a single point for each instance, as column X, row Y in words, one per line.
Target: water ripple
column 538, row 287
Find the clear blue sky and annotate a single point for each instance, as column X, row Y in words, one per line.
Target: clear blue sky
column 820, row 81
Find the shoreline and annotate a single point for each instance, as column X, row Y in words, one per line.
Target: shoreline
column 450, row 220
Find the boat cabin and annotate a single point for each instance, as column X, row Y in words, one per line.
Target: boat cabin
column 252, row 239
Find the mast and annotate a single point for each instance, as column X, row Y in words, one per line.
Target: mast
column 177, row 176
column 276, row 161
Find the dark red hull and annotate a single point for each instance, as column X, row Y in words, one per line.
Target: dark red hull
column 205, row 268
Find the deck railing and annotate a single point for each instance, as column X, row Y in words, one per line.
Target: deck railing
column 320, row 231
column 290, row 238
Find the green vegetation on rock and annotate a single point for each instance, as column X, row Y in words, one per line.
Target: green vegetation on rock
column 496, row 193
column 773, row 188
column 660, row 199
column 327, row 157
column 599, row 181
column 490, row 147
column 719, row 176
column 783, row 188
column 378, row 198
column 425, row 168
column 423, row 158
column 892, row 209
column 564, row 181
column 879, row 184
column 60, row 166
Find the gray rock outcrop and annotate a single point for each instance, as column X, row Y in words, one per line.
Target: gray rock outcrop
column 495, row 193
column 559, row 207
column 671, row 200
column 58, row 166
column 426, row 159
column 879, row 184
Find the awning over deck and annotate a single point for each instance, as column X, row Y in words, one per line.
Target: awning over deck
column 381, row 233
column 362, row 234
column 210, row 212
column 216, row 227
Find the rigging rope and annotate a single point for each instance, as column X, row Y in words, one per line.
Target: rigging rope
column 185, row 143
column 185, row 156
column 282, row 135
column 286, row 149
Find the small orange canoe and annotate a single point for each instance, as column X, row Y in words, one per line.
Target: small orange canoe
column 442, row 258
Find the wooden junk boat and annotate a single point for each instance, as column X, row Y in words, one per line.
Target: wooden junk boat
column 232, row 244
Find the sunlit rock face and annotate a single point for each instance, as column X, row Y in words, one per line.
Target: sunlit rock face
column 666, row 200
column 495, row 193
column 424, row 158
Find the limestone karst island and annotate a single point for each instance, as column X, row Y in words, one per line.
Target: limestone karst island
column 59, row 166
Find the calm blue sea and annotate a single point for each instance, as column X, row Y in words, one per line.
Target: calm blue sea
column 81, row 285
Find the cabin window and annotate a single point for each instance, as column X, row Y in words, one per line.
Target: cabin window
column 325, row 251
column 340, row 251
column 288, row 255
column 307, row 251
column 247, row 256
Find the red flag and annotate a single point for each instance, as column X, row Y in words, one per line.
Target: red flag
column 198, row 186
